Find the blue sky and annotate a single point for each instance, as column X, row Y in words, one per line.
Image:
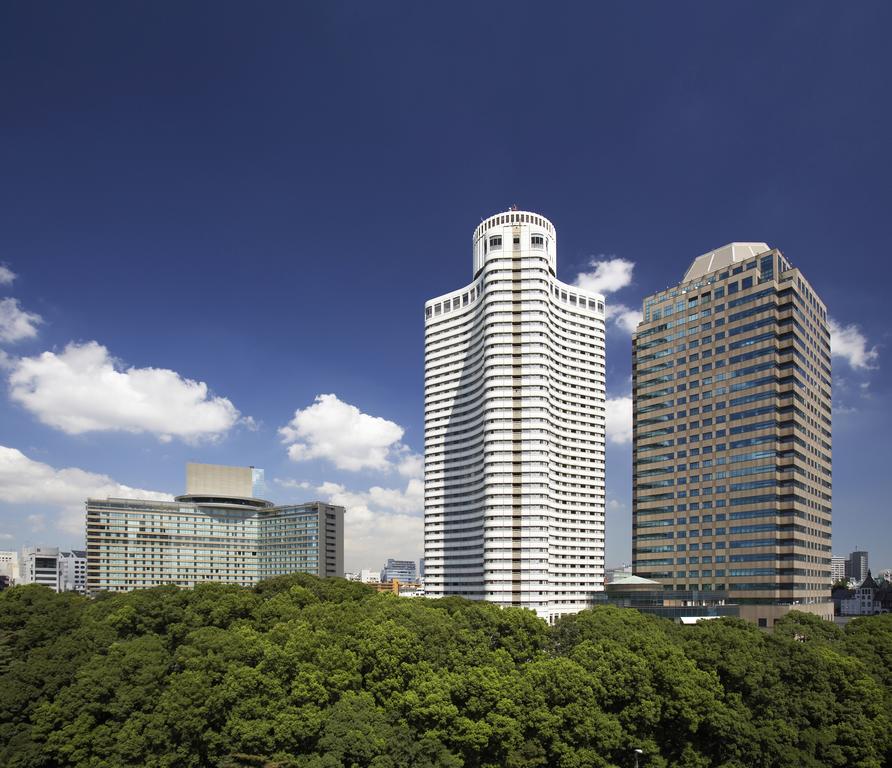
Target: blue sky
column 219, row 223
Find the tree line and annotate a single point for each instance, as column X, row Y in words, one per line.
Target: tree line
column 300, row 672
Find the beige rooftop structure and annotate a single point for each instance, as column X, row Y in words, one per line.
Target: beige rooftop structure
column 219, row 480
column 721, row 258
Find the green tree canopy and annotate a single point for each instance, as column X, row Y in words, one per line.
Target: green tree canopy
column 300, row 672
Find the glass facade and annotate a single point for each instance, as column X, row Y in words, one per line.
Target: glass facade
column 732, row 451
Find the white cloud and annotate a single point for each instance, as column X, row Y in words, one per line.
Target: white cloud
column 350, row 439
column 6, row 275
column 302, row 485
column 380, row 522
column 411, row 465
column 6, row 536
column 26, row 481
column 607, row 275
column 36, row 522
column 16, row 323
column 85, row 389
column 624, row 317
column 849, row 343
column 619, row 420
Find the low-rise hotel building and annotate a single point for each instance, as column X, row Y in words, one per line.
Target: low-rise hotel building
column 218, row 531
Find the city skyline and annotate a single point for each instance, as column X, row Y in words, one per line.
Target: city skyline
column 224, row 258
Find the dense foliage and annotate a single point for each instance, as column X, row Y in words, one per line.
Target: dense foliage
column 305, row 672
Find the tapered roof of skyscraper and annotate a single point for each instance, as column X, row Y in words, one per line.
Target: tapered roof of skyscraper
column 723, row 257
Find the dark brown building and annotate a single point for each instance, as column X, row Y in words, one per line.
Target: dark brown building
column 732, row 435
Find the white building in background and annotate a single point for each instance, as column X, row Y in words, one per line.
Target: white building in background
column 40, row 565
column 837, row 568
column 73, row 571
column 368, row 576
column 9, row 565
column 515, row 428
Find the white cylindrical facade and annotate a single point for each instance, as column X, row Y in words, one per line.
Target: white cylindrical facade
column 514, row 428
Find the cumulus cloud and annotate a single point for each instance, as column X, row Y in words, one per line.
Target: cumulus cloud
column 302, row 485
column 26, row 481
column 619, row 420
column 849, row 343
column 606, row 275
column 624, row 317
column 379, row 522
column 342, row 434
column 17, row 324
column 85, row 389
column 411, row 465
column 6, row 275
column 36, row 523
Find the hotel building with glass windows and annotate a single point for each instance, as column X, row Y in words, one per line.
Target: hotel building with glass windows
column 217, row 531
column 732, row 480
column 514, row 428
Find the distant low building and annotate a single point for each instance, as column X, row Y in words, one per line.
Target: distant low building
column 9, row 565
column 649, row 596
column 613, row 574
column 217, row 531
column 867, row 599
column 401, row 570
column 73, row 571
column 40, row 565
column 687, row 606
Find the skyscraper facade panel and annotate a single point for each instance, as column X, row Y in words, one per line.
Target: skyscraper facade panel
column 732, row 447
column 514, row 427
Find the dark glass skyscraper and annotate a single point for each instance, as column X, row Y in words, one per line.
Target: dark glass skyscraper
column 732, row 434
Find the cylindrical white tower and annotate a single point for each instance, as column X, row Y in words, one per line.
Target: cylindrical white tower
column 514, row 428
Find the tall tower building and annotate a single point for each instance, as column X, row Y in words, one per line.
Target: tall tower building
column 732, row 439
column 514, row 428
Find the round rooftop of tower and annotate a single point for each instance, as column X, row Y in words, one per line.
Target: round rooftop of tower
column 514, row 230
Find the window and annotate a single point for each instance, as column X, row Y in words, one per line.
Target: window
column 537, row 241
column 516, row 240
column 495, row 242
